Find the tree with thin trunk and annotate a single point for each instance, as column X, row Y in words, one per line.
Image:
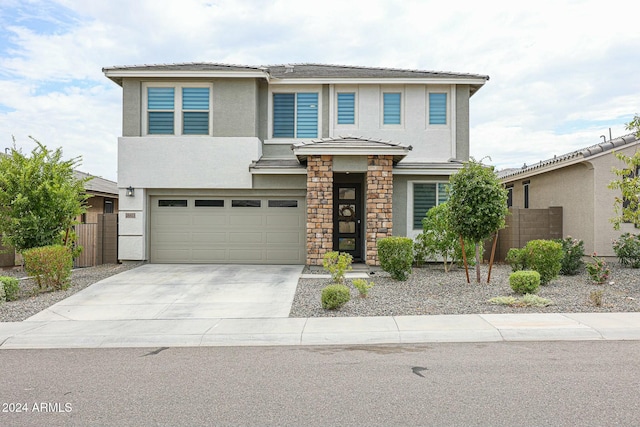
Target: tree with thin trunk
column 627, row 204
column 477, row 205
column 40, row 198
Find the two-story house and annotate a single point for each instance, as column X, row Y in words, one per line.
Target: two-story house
column 280, row 164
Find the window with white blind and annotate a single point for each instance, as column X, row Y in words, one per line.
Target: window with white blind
column 346, row 108
column 392, row 108
column 178, row 110
column 425, row 195
column 295, row 115
column 437, row 108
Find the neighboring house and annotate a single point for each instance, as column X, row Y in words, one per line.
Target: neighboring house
column 578, row 183
column 281, row 164
column 103, row 197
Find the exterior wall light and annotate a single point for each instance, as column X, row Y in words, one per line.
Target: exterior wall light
column 131, row 192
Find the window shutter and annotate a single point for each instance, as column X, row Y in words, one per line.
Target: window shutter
column 424, row 198
column 346, row 108
column 283, row 115
column 392, row 108
column 437, row 108
column 195, row 122
column 307, row 115
column 160, row 122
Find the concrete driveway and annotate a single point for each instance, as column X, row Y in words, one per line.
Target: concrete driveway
column 168, row 291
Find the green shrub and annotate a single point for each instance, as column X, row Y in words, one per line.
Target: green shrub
column 525, row 281
column 396, row 256
column 50, row 266
column 362, row 286
column 2, row 296
column 598, row 269
column 337, row 263
column 11, row 287
column 517, row 259
column 627, row 249
column 572, row 253
column 545, row 257
column 335, row 296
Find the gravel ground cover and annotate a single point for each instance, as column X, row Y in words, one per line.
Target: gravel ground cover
column 31, row 302
column 431, row 291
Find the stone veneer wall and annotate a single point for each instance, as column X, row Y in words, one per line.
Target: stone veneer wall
column 379, row 195
column 319, row 208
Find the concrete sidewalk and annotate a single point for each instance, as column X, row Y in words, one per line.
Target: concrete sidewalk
column 319, row 331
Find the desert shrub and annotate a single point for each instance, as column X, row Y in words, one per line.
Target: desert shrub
column 627, row 249
column 545, row 257
column 572, row 253
column 528, row 300
column 524, row 281
column 335, row 296
column 396, row 256
column 517, row 259
column 50, row 266
column 337, row 263
column 596, row 297
column 598, row 269
column 11, row 287
column 362, row 286
column 2, row 296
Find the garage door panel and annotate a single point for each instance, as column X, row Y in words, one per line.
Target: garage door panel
column 220, row 232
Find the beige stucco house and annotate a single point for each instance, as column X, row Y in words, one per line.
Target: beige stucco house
column 578, row 183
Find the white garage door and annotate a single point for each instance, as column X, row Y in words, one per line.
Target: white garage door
column 246, row 230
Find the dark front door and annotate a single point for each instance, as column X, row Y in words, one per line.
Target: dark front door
column 347, row 219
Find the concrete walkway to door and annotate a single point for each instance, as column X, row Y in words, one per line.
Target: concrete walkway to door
column 170, row 291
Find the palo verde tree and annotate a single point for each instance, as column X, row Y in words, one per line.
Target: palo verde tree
column 39, row 197
column 477, row 205
column 627, row 204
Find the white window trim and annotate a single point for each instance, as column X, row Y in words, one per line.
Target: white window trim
column 334, row 107
column 410, row 231
column 403, row 105
column 177, row 107
column 292, row 89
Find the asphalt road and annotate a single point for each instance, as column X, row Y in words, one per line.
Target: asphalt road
column 584, row 383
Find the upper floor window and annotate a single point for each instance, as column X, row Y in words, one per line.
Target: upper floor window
column 426, row 195
column 392, row 110
column 525, row 187
column 510, row 196
column 346, row 108
column 295, row 115
column 178, row 110
column 437, row 108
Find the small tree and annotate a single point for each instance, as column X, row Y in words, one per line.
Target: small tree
column 39, row 198
column 477, row 205
column 627, row 204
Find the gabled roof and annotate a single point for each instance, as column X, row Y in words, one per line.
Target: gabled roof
column 570, row 158
column 295, row 73
column 350, row 145
column 97, row 185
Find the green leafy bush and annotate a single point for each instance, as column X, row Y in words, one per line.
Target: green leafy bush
column 572, row 253
column 2, row 296
column 396, row 256
column 337, row 263
column 50, row 266
column 524, row 281
column 627, row 249
column 11, row 287
column 517, row 259
column 545, row 257
column 598, row 269
column 362, row 286
column 335, row 296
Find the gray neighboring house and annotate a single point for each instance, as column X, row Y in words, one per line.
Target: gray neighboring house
column 280, row 164
column 577, row 182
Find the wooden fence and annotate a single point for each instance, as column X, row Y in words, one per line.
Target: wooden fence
column 99, row 241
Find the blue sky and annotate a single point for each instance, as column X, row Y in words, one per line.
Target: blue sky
column 562, row 72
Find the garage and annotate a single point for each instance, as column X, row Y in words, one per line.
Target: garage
column 242, row 230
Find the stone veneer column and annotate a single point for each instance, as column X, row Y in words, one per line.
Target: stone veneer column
column 379, row 204
column 319, row 208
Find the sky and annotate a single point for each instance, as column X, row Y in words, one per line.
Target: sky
column 562, row 72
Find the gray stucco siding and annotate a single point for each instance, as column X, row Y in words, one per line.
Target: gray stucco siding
column 131, row 103
column 280, row 182
column 234, row 107
column 462, row 122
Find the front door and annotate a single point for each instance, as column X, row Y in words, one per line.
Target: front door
column 347, row 219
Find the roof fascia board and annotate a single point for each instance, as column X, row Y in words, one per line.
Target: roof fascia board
column 184, row 74
column 278, row 171
column 548, row 168
column 328, row 80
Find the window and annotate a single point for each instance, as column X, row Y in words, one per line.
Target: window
column 173, row 110
column 425, row 196
column 245, row 203
column 525, row 187
column 108, row 206
column 172, row 203
column 295, row 115
column 392, row 108
column 209, row 203
column 437, row 108
column 283, row 203
column 510, row 196
column 346, row 108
